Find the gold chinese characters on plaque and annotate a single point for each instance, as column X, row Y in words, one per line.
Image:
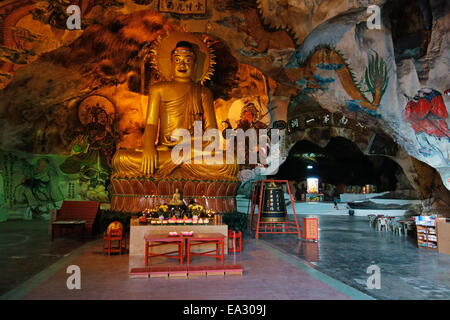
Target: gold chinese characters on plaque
column 183, row 6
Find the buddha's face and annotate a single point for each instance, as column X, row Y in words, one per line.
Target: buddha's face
column 183, row 63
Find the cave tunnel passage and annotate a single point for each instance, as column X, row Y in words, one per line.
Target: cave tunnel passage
column 340, row 163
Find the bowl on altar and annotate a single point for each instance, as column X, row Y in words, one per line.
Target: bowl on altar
column 187, row 233
column 173, row 234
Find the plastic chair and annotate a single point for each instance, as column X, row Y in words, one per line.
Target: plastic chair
column 372, row 220
column 396, row 227
column 383, row 223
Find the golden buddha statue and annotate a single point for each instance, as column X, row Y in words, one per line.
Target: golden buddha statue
column 175, row 104
column 176, row 199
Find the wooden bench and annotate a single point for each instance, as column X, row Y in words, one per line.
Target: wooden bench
column 76, row 214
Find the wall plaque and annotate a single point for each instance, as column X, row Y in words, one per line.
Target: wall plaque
column 322, row 119
column 183, row 6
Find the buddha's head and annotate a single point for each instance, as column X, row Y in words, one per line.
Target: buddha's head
column 183, row 61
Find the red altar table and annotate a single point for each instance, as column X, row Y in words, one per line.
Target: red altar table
column 156, row 240
column 202, row 238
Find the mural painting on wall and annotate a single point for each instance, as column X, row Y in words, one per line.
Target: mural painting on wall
column 428, row 115
column 376, row 79
column 39, row 189
column 26, row 31
column 54, row 12
column 260, row 40
column 93, row 146
column 246, row 114
column 32, row 183
column 245, row 105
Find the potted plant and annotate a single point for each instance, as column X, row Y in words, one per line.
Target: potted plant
column 236, row 221
column 237, row 224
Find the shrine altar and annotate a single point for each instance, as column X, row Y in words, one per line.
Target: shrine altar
column 137, row 233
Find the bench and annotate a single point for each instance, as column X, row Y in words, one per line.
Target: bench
column 75, row 214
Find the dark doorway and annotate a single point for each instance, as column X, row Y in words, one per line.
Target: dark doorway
column 339, row 163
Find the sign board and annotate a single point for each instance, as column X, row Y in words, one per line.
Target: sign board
column 183, row 6
column 324, row 119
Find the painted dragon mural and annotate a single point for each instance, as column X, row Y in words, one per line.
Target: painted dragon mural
column 325, row 57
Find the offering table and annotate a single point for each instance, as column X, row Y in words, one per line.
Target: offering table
column 137, row 233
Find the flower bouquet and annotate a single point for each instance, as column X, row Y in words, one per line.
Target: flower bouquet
column 196, row 209
column 162, row 211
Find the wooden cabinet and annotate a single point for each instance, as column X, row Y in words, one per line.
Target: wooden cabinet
column 427, row 237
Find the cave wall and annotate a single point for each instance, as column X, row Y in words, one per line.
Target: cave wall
column 73, row 106
column 271, row 52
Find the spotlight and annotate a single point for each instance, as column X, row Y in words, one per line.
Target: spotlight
column 309, row 167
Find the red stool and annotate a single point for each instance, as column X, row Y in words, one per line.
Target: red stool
column 114, row 233
column 234, row 241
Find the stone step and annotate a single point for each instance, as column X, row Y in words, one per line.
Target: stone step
column 184, row 272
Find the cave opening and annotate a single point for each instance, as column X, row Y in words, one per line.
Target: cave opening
column 343, row 165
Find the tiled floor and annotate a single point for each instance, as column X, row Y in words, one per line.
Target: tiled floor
column 26, row 249
column 276, row 267
column 268, row 275
column 348, row 246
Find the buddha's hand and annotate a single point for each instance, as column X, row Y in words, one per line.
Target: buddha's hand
column 149, row 161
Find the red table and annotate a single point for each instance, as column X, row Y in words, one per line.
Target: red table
column 161, row 240
column 203, row 238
